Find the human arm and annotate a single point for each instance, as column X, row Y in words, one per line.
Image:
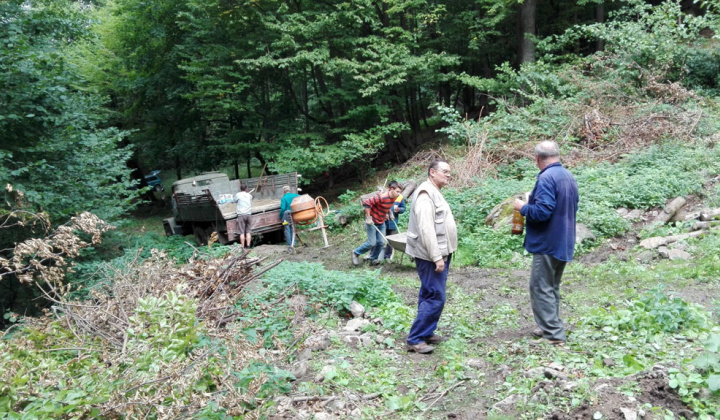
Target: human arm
column 543, row 202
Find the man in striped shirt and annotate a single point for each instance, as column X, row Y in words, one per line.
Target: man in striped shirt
column 376, row 212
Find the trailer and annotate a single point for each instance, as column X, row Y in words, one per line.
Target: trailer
column 203, row 204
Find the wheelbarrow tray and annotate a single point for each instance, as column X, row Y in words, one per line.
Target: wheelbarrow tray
column 397, row 241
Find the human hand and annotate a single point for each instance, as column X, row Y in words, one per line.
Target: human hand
column 439, row 265
column 518, row 204
column 369, row 220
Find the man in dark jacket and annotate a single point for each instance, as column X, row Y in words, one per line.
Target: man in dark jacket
column 550, row 236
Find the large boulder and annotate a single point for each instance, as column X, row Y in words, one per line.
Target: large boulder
column 501, row 215
column 583, row 233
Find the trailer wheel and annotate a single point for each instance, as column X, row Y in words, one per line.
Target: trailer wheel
column 201, row 237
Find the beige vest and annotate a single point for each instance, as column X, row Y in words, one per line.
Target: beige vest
column 429, row 246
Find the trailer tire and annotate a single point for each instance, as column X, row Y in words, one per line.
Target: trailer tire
column 201, row 237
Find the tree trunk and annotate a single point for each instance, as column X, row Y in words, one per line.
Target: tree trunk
column 600, row 18
column 526, row 27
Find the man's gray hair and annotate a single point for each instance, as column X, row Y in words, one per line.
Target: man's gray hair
column 546, row 149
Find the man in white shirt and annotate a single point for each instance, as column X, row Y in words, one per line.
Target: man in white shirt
column 243, row 208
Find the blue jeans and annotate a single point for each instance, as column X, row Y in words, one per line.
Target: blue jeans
column 287, row 217
column 431, row 300
column 375, row 241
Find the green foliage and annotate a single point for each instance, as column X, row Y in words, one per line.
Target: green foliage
column 56, row 146
column 654, row 311
column 330, row 288
column 699, row 376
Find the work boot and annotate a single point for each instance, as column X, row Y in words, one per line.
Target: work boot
column 355, row 259
column 554, row 343
column 421, row 347
column 436, row 339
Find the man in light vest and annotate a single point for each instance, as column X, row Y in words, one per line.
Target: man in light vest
column 431, row 241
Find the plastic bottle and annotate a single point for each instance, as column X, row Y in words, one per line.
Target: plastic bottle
column 518, row 223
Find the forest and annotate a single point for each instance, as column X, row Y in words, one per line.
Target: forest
column 105, row 316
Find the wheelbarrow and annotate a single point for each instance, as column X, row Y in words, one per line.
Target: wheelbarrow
column 398, row 242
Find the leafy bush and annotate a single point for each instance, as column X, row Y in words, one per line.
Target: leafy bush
column 700, row 375
column 331, row 288
column 653, row 312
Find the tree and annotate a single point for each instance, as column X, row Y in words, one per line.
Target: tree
column 56, row 146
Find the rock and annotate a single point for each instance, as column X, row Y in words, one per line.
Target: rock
column 508, row 403
column 367, row 340
column 601, row 387
column 318, row 341
column 534, row 372
column 352, row 340
column 552, row 374
column 654, row 242
column 305, row 355
column 556, row 366
column 299, row 370
column 645, row 257
column 583, row 233
column 608, row 362
column 334, row 405
column 680, row 245
column 323, row 372
column 356, row 324
column 323, row 416
column 679, row 254
column 476, row 363
column 622, row 211
column 634, row 215
column 379, row 339
column 356, row 309
column 569, row 386
column 676, row 254
column 501, row 215
column 629, row 414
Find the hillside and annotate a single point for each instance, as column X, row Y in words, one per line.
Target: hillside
column 132, row 324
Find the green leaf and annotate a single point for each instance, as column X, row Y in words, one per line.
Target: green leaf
column 713, row 382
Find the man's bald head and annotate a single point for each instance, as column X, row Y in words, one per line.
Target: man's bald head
column 546, row 152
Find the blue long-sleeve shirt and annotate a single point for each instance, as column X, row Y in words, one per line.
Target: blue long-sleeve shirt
column 550, row 214
column 400, row 203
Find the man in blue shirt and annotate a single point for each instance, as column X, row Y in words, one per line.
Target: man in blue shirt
column 550, row 236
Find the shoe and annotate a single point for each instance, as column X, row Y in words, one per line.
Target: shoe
column 554, row 343
column 436, row 339
column 376, row 262
column 537, row 332
column 421, row 347
column 389, row 257
column 355, row 259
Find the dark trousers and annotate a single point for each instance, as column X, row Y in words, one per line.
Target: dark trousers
column 431, row 300
column 545, row 276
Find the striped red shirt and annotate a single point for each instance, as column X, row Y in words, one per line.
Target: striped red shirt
column 379, row 205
